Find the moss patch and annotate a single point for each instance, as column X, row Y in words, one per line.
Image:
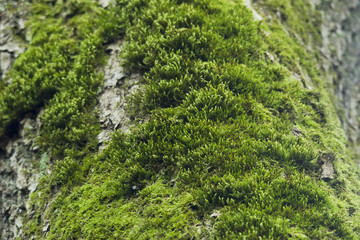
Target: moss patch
column 231, row 149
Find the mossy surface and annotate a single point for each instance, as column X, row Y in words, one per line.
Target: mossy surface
column 219, row 158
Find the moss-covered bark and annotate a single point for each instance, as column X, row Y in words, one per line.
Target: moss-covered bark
column 232, row 147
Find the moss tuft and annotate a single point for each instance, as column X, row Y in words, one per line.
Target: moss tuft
column 231, row 149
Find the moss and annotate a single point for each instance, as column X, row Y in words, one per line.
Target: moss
column 221, row 136
column 58, row 71
column 303, row 19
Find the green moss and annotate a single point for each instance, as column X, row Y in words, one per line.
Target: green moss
column 303, row 19
column 221, row 135
column 58, row 71
column 65, row 46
